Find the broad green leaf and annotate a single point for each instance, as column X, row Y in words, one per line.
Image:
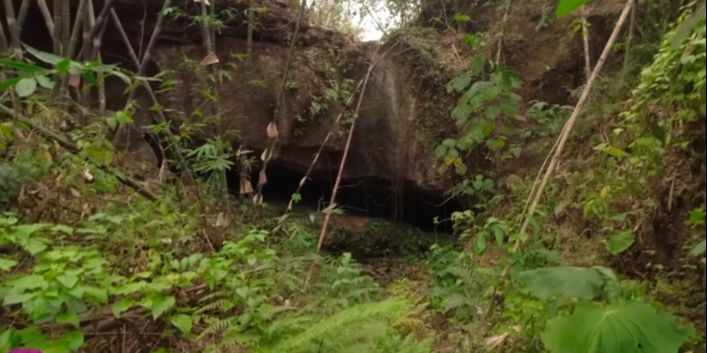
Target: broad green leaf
column 73, row 339
column 459, row 83
column 68, row 318
column 563, row 281
column 480, row 243
column 97, row 294
column 34, row 246
column 29, row 282
column 181, row 321
column 565, row 7
column 7, row 264
column 699, row 249
column 121, row 306
column 620, row 328
column 160, row 304
column 44, row 81
column 620, row 242
column 15, row 296
column 68, row 280
column 48, row 58
column 25, row 87
column 696, row 218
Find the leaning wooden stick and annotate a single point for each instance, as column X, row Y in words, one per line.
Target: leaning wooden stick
column 73, row 148
column 347, row 148
column 567, row 130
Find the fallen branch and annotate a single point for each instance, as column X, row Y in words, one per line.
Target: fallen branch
column 73, row 148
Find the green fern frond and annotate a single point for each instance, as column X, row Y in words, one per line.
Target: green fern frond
column 345, row 320
column 222, row 305
column 212, row 295
column 217, row 327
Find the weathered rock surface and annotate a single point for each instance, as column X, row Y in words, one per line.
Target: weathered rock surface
column 393, row 141
column 405, row 111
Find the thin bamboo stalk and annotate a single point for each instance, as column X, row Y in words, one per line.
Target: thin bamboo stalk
column 585, row 42
column 47, row 15
column 58, row 25
column 97, row 41
column 97, row 30
column 3, row 40
column 212, row 28
column 251, row 29
column 21, row 16
column 66, row 28
column 153, row 39
column 78, row 24
column 629, row 38
column 141, row 66
column 205, row 32
column 12, row 28
column 90, row 21
column 136, row 61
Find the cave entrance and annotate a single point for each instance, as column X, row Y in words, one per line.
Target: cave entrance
column 371, row 197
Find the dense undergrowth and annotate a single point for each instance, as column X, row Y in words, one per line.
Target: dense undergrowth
column 89, row 265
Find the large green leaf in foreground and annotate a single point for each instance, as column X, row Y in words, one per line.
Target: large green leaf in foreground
column 632, row 327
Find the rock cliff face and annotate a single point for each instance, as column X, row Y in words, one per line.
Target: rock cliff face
column 405, row 111
column 399, row 123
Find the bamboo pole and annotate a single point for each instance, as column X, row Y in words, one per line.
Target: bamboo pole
column 212, row 28
column 585, row 42
column 205, row 32
column 12, row 28
column 569, row 125
column 66, row 28
column 251, row 29
column 136, row 61
column 97, row 30
column 3, row 40
column 89, row 22
column 47, row 15
column 78, row 24
column 21, row 16
column 58, row 25
column 141, row 66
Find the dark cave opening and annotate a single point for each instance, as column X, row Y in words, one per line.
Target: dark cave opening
column 370, row 196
